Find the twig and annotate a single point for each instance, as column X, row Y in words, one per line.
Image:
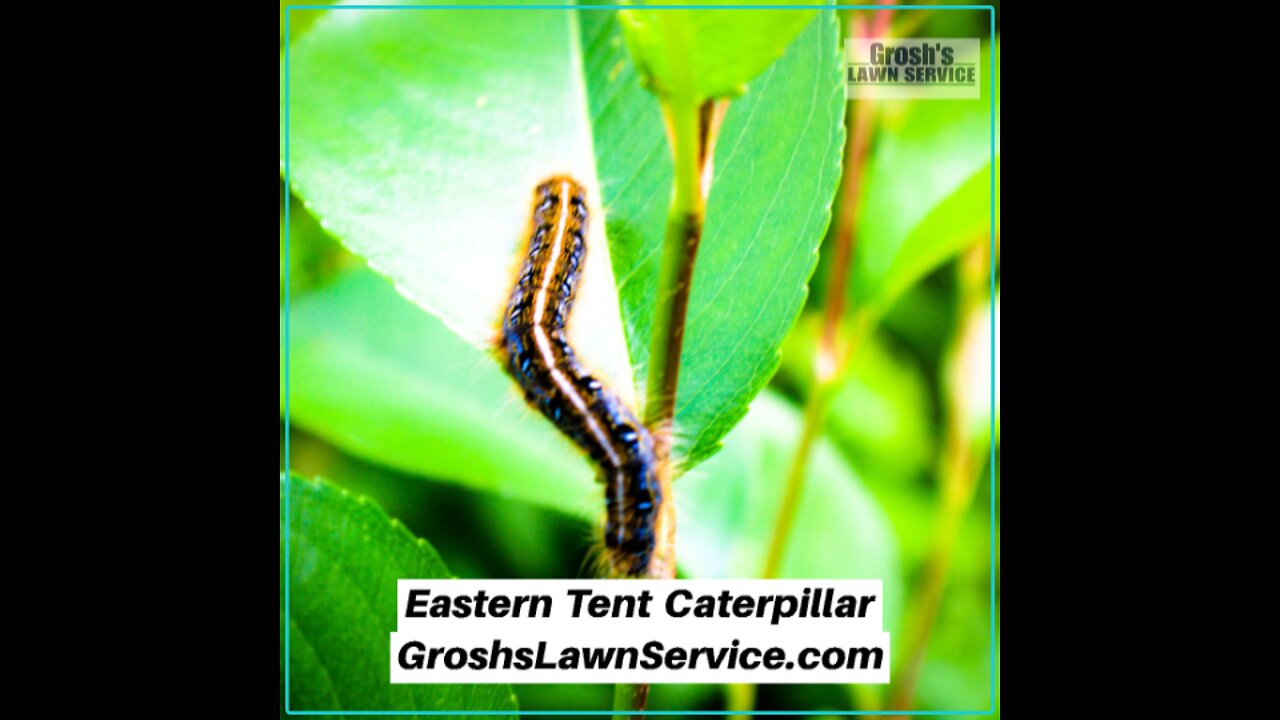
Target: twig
column 958, row 476
column 692, row 129
column 833, row 353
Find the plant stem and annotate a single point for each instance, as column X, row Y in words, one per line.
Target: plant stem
column 627, row 698
column 692, row 128
column 679, row 249
column 832, row 357
column 814, row 414
column 933, row 583
column 958, row 470
column 741, row 698
column 864, row 697
column 910, row 23
column 883, row 19
column 957, row 492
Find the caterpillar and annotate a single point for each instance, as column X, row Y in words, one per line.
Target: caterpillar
column 536, row 353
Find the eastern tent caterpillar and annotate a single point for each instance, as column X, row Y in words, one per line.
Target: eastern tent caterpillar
column 537, row 354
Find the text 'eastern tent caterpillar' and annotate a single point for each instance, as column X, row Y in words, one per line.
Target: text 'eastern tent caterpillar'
column 536, row 351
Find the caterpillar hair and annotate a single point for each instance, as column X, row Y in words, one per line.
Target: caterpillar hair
column 536, row 352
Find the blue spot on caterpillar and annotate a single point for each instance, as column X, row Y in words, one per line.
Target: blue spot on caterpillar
column 536, row 352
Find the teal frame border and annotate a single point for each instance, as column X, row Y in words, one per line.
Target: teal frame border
column 991, row 235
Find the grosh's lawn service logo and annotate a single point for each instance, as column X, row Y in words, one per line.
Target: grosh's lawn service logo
column 937, row 68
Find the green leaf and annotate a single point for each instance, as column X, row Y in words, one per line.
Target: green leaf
column 777, row 165
column 704, row 54
column 417, row 137
column 345, row 556
column 926, row 192
column 388, row 383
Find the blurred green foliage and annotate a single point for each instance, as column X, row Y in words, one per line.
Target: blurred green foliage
column 707, row 55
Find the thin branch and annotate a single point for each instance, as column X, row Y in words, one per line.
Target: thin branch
column 958, row 475
column 815, row 413
column 628, row 698
column 740, row 697
column 833, row 353
column 692, row 129
column 679, row 250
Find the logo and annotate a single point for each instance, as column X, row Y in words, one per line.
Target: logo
column 913, row 68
